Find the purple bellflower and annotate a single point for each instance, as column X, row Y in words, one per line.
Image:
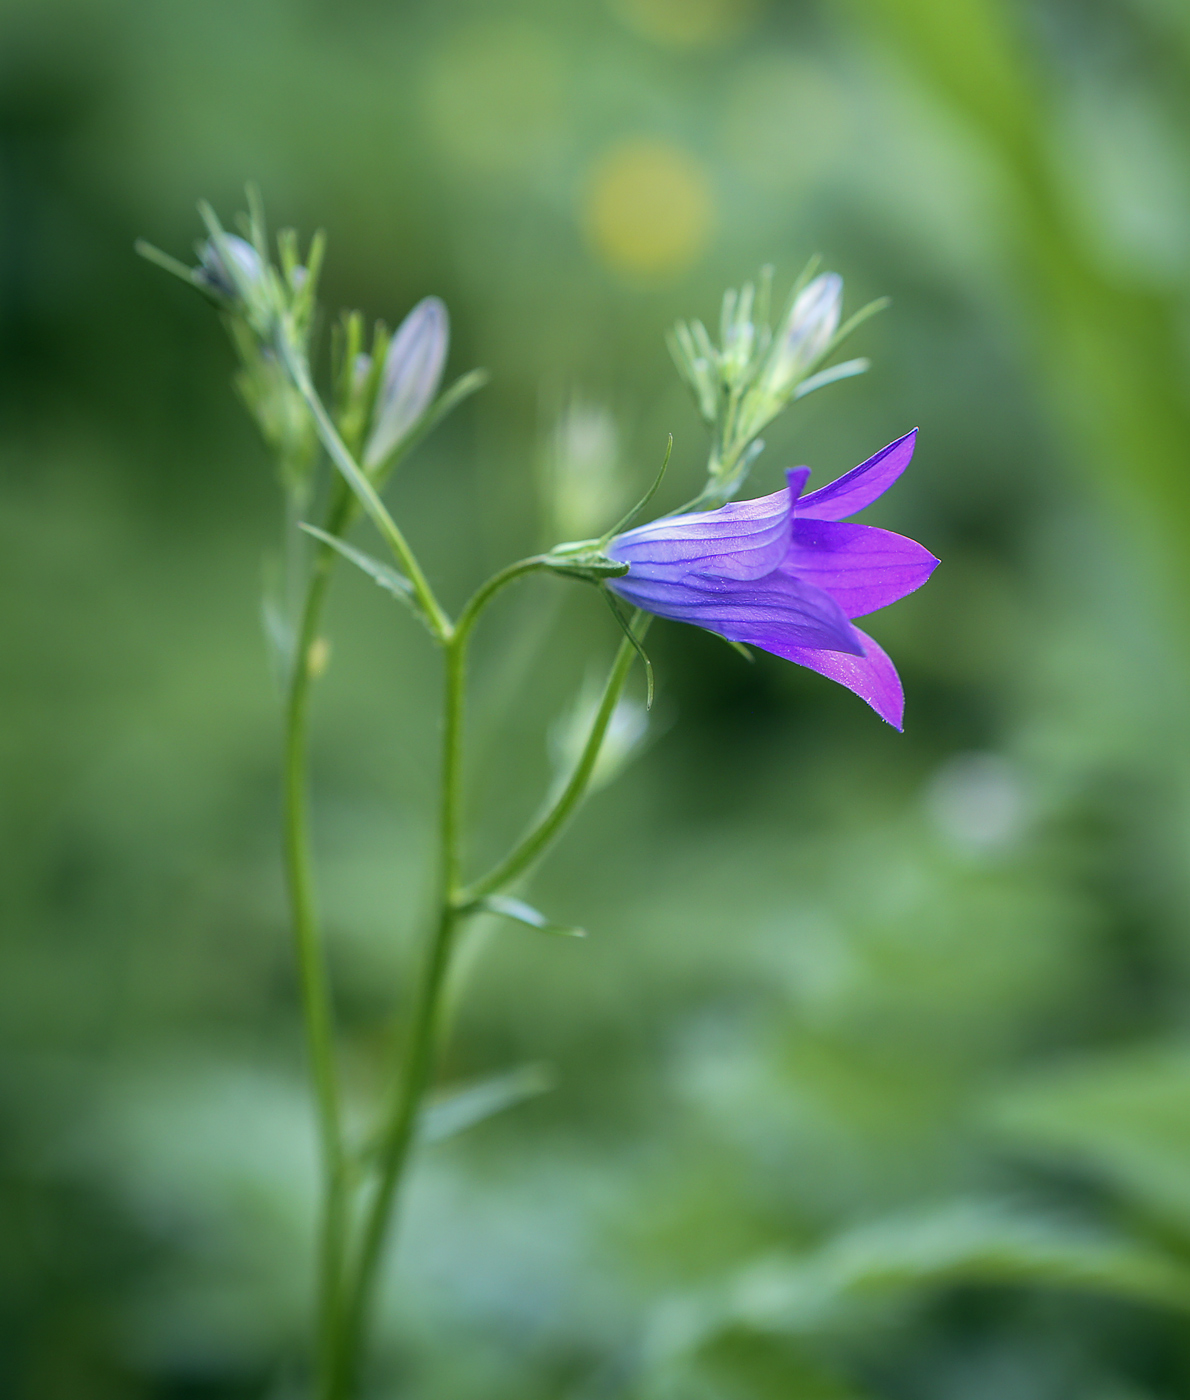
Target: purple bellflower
column 786, row 573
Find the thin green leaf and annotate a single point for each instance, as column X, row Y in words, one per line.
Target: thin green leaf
column 702, row 342
column 846, row 370
column 384, row 574
column 764, row 295
column 258, row 234
column 813, row 263
column 863, row 314
column 279, row 637
column 727, row 315
column 154, row 255
column 745, row 652
column 681, row 352
column 689, row 349
column 799, row 286
column 522, row 913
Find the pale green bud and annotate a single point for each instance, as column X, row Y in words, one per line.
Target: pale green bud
column 806, row 333
column 233, row 277
column 412, row 372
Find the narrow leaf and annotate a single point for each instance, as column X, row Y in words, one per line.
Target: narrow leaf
column 744, row 651
column 154, row 255
column 862, row 315
column 278, row 634
column 257, row 229
column 384, row 574
column 523, row 913
column 846, row 370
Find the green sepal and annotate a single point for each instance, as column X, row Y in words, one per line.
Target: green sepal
column 253, row 225
column 383, row 574
column 144, row 249
column 846, row 370
column 356, row 395
column 855, row 320
column 522, row 913
column 584, row 559
column 744, row 651
column 623, row 524
column 626, row 627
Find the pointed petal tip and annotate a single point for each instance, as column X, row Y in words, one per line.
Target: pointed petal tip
column 851, row 492
column 872, row 677
column 797, row 478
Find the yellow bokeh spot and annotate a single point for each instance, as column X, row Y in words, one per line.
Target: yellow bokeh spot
column 648, row 208
column 688, row 23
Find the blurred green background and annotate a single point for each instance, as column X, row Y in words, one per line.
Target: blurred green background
column 872, row 1078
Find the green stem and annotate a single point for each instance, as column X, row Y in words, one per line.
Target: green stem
column 365, row 492
column 484, row 594
column 535, row 841
column 401, row 1126
column 418, row 1065
column 312, row 975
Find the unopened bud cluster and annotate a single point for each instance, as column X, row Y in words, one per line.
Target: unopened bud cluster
column 756, row 370
column 382, row 392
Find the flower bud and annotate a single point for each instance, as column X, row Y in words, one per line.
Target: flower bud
column 214, row 272
column 807, row 332
column 412, row 372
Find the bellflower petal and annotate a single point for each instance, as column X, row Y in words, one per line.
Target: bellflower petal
column 861, row 567
column 872, row 676
column 862, row 485
column 744, row 540
column 775, row 612
column 804, row 337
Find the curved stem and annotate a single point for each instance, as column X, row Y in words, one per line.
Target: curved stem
column 437, row 620
column 312, row 975
column 535, row 841
column 484, row 594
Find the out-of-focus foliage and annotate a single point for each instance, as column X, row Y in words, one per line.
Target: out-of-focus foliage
column 870, row 1079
